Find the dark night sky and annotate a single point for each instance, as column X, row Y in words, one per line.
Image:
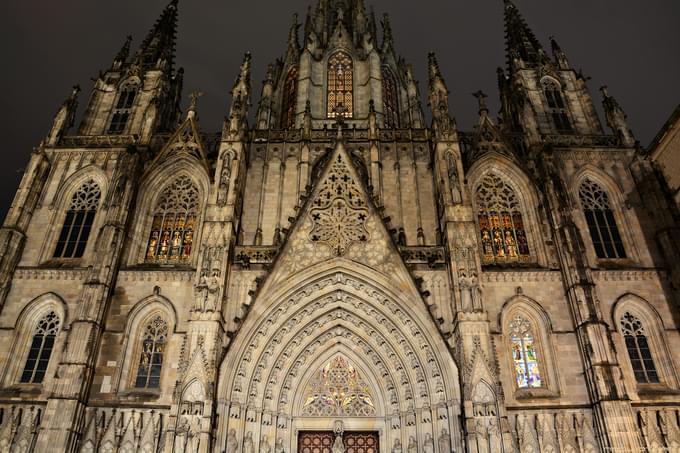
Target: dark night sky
column 47, row 46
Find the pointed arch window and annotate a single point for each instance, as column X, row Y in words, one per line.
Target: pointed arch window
column 123, row 109
column 153, row 345
column 289, row 99
column 524, row 354
column 40, row 352
column 77, row 225
column 557, row 108
column 501, row 223
column 340, row 86
column 174, row 223
column 601, row 222
column 638, row 349
column 390, row 99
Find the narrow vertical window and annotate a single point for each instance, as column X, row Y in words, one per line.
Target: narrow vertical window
column 289, row 100
column 501, row 223
column 77, row 225
column 390, row 99
column 123, row 109
column 173, row 225
column 638, row 350
column 153, row 344
column 601, row 222
column 340, row 86
column 524, row 355
column 41, row 349
column 557, row 108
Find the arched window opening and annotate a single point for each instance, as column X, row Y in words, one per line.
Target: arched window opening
column 123, row 109
column 557, row 108
column 289, row 100
column 174, row 222
column 77, row 225
column 340, row 86
column 638, row 349
column 524, row 354
column 390, row 99
column 501, row 223
column 601, row 222
column 41, row 349
column 153, row 344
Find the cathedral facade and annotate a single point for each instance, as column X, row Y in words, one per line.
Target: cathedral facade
column 333, row 272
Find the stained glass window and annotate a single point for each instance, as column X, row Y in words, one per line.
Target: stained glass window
column 524, row 354
column 78, row 222
column 601, row 223
column 556, row 106
column 174, row 222
column 123, row 109
column 340, row 85
column 638, row 349
column 41, row 349
column 338, row 389
column 390, row 99
column 289, row 100
column 501, row 224
column 151, row 357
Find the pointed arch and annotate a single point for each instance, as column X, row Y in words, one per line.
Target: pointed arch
column 643, row 338
column 557, row 108
column 390, row 98
column 289, row 99
column 340, row 88
column 121, row 112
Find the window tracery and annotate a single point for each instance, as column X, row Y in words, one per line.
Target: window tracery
column 340, row 86
column 153, row 345
column 524, row 354
column 337, row 389
column 501, row 223
column 638, row 349
column 601, row 222
column 174, row 222
column 77, row 225
column 123, row 109
column 289, row 99
column 41, row 348
column 556, row 106
column 390, row 99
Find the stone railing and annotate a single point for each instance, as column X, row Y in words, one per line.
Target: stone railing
column 96, row 141
column 557, row 431
column 252, row 254
column 129, row 430
column 328, row 134
column 19, row 427
column 432, row 256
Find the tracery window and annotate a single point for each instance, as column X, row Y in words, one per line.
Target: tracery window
column 501, row 223
column 151, row 356
column 41, row 349
column 524, row 355
column 337, row 389
column 638, row 349
column 77, row 225
column 174, row 222
column 556, row 106
column 601, row 222
column 289, row 99
column 123, row 109
column 390, row 99
column 340, row 86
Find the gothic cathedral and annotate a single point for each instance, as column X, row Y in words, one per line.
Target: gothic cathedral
column 334, row 273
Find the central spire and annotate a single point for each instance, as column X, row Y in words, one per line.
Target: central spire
column 521, row 43
column 158, row 49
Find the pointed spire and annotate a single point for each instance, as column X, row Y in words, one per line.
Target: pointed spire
column 521, row 43
column 64, row 118
column 388, row 38
column 193, row 106
column 558, row 54
column 240, row 98
column 439, row 99
column 481, row 99
column 293, row 38
column 158, row 49
column 617, row 119
column 123, row 53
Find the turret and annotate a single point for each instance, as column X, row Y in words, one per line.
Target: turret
column 617, row 119
column 237, row 122
column 442, row 122
column 64, row 118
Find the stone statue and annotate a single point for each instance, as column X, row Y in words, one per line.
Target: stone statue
column 444, row 442
column 264, row 445
column 412, row 446
column 213, row 291
column 428, row 444
column 454, row 183
column 476, row 292
column 278, row 446
column 465, row 284
column 232, row 441
column 397, row 446
column 338, row 446
column 248, row 443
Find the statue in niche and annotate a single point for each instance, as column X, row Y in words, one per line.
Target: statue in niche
column 232, row 441
column 412, row 446
column 465, row 284
column 224, row 183
column 444, row 442
column 476, row 292
column 248, row 443
column 454, row 183
column 428, row 444
column 397, row 446
column 338, row 446
column 278, row 446
column 264, row 445
column 213, row 291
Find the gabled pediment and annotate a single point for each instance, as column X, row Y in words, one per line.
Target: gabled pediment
column 185, row 143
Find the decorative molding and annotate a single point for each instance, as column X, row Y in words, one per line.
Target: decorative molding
column 160, row 275
column 521, row 276
column 50, row 274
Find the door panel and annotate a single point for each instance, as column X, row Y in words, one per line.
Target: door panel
column 322, row 442
column 315, row 441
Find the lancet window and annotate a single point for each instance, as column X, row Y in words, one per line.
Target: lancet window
column 289, row 99
column 638, row 349
column 601, row 222
column 153, row 345
column 390, row 99
column 340, row 86
column 77, row 226
column 174, row 223
column 557, row 108
column 123, row 109
column 42, row 345
column 501, row 223
column 524, row 354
